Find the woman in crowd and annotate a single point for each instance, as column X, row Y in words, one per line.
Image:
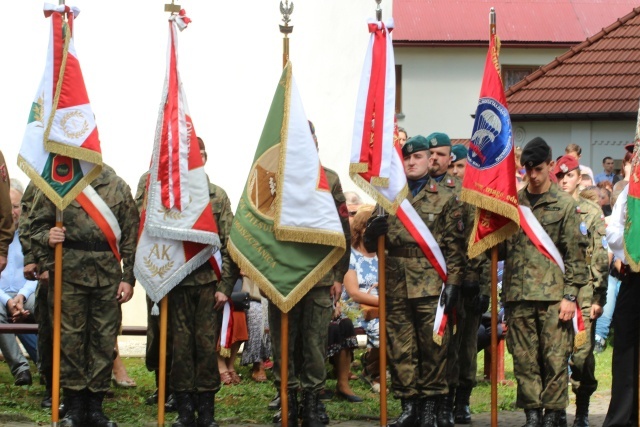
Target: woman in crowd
column 361, row 295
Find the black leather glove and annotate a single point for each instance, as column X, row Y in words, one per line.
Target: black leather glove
column 482, row 304
column 470, row 290
column 376, row 226
column 450, row 298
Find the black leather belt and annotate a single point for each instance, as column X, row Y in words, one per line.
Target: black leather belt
column 407, row 252
column 87, row 246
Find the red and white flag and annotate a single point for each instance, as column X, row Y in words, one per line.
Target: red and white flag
column 376, row 164
column 60, row 150
column 376, row 161
column 178, row 232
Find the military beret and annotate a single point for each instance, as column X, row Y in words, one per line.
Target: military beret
column 438, row 139
column 458, row 152
column 535, row 152
column 414, row 144
column 565, row 164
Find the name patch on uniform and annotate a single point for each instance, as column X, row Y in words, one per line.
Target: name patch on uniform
column 551, row 208
column 583, row 228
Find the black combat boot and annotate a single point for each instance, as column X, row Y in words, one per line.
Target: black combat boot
column 95, row 416
column 551, row 418
column 461, row 410
column 562, row 418
column 75, row 404
column 582, row 410
column 427, row 412
column 292, row 410
column 206, row 409
column 186, row 410
column 534, row 417
column 310, row 415
column 409, row 415
column 445, row 410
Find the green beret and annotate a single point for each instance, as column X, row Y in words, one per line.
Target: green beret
column 535, row 152
column 438, row 139
column 414, row 144
column 458, row 152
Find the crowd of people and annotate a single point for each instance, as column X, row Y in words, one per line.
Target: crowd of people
column 434, row 324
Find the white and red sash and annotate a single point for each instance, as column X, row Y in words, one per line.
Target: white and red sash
column 427, row 243
column 102, row 215
column 226, row 329
column 542, row 241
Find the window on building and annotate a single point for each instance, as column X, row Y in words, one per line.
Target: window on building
column 399, row 113
column 512, row 74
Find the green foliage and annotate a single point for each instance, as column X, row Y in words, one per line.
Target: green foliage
column 247, row 402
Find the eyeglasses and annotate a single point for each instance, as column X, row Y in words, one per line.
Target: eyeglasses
column 353, row 213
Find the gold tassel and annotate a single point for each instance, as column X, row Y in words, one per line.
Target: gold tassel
column 579, row 340
column 437, row 339
column 225, row 352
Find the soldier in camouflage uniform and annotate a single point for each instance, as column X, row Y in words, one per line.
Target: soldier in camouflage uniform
column 309, row 321
column 6, row 220
column 418, row 364
column 93, row 284
column 194, row 321
column 33, row 271
column 540, row 300
column 474, row 301
column 591, row 297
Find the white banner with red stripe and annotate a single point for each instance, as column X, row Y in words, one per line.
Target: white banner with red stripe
column 178, row 232
column 542, row 241
column 102, row 215
column 429, row 246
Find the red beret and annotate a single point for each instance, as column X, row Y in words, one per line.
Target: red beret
column 565, row 164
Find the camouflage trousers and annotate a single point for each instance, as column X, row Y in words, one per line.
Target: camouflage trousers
column 463, row 348
column 418, row 365
column 45, row 332
column 540, row 345
column 152, row 355
column 583, row 363
column 309, row 323
column 195, row 328
column 89, row 327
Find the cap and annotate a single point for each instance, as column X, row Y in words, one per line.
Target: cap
column 438, row 139
column 535, row 152
column 565, row 164
column 414, row 144
column 458, row 152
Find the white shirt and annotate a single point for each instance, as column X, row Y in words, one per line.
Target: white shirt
column 615, row 229
column 12, row 277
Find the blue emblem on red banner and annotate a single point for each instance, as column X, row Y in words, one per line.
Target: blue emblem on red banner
column 491, row 139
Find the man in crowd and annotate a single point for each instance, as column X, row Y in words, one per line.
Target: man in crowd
column 458, row 163
column 6, row 222
column 592, row 297
column 17, row 296
column 414, row 286
column 539, row 293
column 607, row 174
column 575, row 150
column 309, row 324
column 97, row 275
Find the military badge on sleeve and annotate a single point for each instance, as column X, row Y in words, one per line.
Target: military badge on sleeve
column 605, row 244
column 583, row 228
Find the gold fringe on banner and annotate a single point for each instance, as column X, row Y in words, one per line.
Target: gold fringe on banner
column 285, row 304
column 369, row 189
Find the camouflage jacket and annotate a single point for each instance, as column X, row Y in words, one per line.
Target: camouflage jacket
column 475, row 269
column 414, row 276
column 597, row 258
column 223, row 214
column 336, row 274
column 82, row 267
column 531, row 276
column 24, row 225
column 6, row 219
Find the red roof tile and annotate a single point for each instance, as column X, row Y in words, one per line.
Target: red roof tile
column 530, row 22
column 599, row 78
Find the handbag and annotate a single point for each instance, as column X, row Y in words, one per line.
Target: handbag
column 240, row 300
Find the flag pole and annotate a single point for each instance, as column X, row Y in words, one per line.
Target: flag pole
column 57, row 314
column 286, row 9
column 382, row 303
column 164, row 303
column 494, row 294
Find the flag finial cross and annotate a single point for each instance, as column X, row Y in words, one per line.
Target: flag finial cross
column 172, row 8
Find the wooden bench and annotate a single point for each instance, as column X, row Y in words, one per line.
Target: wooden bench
column 32, row 328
